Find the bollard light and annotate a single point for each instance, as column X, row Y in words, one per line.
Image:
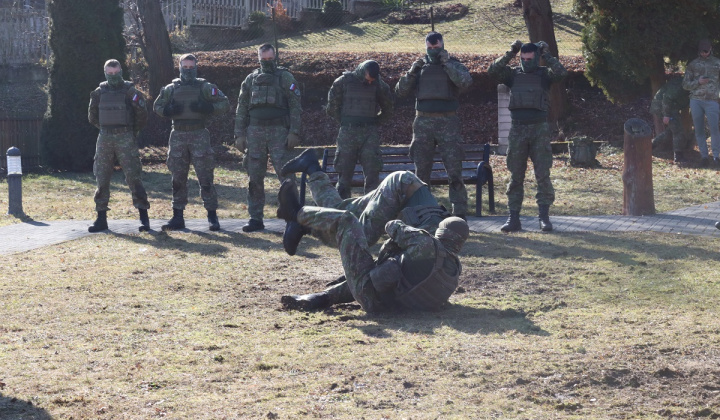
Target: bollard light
column 14, row 161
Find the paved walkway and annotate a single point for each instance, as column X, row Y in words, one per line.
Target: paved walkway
column 697, row 220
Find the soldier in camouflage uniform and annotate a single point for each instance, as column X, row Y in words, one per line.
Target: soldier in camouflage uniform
column 437, row 80
column 702, row 79
column 267, row 124
column 118, row 110
column 529, row 132
column 401, row 195
column 353, row 101
column 190, row 101
column 669, row 100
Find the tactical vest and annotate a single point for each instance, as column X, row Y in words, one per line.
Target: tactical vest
column 186, row 94
column 359, row 99
column 435, row 84
column 113, row 108
column 431, row 293
column 527, row 92
column 267, row 91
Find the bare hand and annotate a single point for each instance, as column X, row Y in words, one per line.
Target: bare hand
column 666, row 120
column 703, row 80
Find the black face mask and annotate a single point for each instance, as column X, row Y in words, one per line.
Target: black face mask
column 267, row 66
column 188, row 75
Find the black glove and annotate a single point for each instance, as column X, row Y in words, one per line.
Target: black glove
column 171, row 108
column 388, row 249
column 544, row 47
column 203, row 107
column 515, row 46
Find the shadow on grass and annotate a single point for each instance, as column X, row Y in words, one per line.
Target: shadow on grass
column 163, row 240
column 12, row 408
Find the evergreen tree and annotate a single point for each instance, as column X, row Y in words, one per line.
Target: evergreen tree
column 83, row 35
column 628, row 43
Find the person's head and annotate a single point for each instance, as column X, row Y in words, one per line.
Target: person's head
column 266, row 56
column 372, row 70
column 529, row 60
column 434, row 44
column 704, row 48
column 452, row 233
column 188, row 67
column 113, row 72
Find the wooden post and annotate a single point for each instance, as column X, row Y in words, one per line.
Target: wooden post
column 638, row 199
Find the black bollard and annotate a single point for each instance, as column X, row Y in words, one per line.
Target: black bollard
column 14, row 167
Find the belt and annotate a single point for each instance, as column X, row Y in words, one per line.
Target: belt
column 284, row 121
column 435, row 114
column 188, row 126
column 115, row 130
column 532, row 121
column 358, row 124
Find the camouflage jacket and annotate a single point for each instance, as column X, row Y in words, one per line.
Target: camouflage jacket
column 418, row 250
column 289, row 86
column 133, row 98
column 336, row 93
column 699, row 67
column 458, row 73
column 210, row 93
column 553, row 72
column 670, row 99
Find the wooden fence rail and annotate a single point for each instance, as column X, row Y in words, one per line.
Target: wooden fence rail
column 23, row 36
column 23, row 133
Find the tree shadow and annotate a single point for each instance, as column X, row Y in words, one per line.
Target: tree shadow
column 15, row 409
column 567, row 23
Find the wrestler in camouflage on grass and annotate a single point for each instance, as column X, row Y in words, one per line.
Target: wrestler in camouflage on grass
column 437, row 80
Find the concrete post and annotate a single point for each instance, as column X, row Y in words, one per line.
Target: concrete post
column 14, row 167
column 504, row 120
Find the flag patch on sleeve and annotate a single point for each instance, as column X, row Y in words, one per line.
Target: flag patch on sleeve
column 214, row 92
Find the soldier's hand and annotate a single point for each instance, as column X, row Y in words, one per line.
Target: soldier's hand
column 241, row 143
column 666, row 120
column 444, row 56
column 388, row 249
column 544, row 47
column 515, row 46
column 703, row 80
column 172, row 108
column 293, row 141
column 417, row 66
column 203, row 107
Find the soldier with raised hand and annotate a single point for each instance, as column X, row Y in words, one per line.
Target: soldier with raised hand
column 529, row 134
column 437, row 81
column 119, row 111
column 354, row 101
column 669, row 100
column 267, row 124
column 189, row 101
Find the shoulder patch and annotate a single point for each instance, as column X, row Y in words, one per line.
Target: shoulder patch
column 294, row 89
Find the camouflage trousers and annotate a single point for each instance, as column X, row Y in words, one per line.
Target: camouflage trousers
column 533, row 141
column 192, row 147
column 264, row 142
column 358, row 142
column 674, row 135
column 121, row 146
column 348, row 233
column 373, row 210
column 445, row 133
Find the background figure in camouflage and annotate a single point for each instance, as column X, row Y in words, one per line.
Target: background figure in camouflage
column 529, row 132
column 267, row 124
column 401, row 195
column 437, row 80
column 702, row 79
column 667, row 104
column 353, row 101
column 118, row 110
column 190, row 101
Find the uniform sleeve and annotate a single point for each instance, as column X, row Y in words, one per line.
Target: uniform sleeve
column 406, row 84
column 386, row 102
column 216, row 97
column 243, row 107
column 458, row 73
column 335, row 99
column 501, row 70
column 139, row 107
column 292, row 92
column 556, row 71
column 93, row 108
column 162, row 100
column 406, row 236
column 690, row 82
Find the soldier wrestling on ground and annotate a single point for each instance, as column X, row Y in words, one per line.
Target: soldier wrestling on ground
column 401, row 195
column 267, row 124
column 189, row 101
column 414, row 270
column 354, row 101
column 667, row 104
column 437, row 81
column 119, row 111
column 529, row 134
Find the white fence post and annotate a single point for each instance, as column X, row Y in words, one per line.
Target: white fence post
column 504, row 120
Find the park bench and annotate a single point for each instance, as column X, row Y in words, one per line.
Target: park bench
column 476, row 169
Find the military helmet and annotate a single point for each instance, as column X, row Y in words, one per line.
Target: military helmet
column 452, row 233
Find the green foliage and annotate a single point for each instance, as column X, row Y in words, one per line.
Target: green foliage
column 627, row 43
column 255, row 23
column 83, row 35
column 332, row 13
column 392, row 4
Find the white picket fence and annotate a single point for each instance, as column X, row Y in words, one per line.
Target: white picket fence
column 23, row 36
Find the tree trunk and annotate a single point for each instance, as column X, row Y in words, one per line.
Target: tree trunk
column 539, row 23
column 657, row 80
column 638, row 198
column 156, row 45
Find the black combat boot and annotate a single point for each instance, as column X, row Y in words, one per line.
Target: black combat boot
column 679, row 157
column 513, row 222
column 305, row 162
column 213, row 220
column 289, row 202
column 253, row 226
column 100, row 223
column 177, row 221
column 544, row 217
column 311, row 302
column 705, row 162
column 144, row 220
column 294, row 232
column 717, row 225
